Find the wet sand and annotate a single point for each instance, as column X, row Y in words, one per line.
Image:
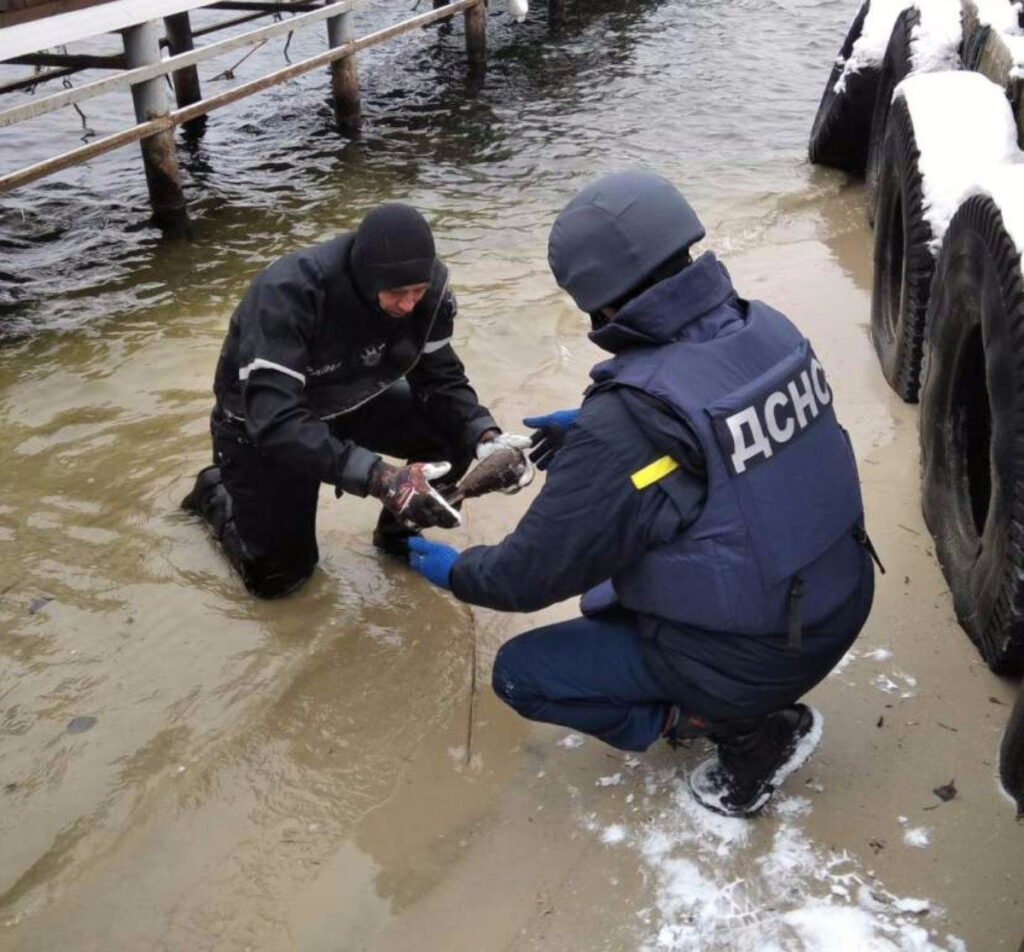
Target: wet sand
column 293, row 775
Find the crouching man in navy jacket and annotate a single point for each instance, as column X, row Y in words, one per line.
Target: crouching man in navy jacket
column 704, row 498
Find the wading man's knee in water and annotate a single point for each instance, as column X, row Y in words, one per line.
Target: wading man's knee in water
column 336, row 354
column 703, row 499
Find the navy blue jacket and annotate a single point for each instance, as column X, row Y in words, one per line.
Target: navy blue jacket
column 590, row 522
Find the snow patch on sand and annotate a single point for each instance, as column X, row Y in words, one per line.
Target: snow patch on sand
column 790, row 807
column 571, row 741
column 898, row 683
column 721, row 883
column 844, row 662
column 919, row 836
column 613, row 834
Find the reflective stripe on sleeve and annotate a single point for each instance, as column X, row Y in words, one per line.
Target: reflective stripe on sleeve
column 651, row 473
column 260, row 364
column 432, row 345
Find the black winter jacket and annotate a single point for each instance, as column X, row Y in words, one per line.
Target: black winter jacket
column 304, row 347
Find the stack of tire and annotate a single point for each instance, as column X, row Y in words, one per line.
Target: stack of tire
column 933, row 126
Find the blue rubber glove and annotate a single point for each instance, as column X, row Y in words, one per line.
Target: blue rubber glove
column 551, row 430
column 433, row 560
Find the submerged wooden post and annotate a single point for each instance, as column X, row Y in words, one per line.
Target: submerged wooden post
column 186, row 79
column 142, row 48
column 476, row 37
column 344, row 77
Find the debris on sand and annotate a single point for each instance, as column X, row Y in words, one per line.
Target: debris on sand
column 38, row 604
column 946, row 792
column 79, row 725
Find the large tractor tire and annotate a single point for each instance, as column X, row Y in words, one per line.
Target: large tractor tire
column 972, row 429
column 1011, row 756
column 903, row 260
column 839, row 136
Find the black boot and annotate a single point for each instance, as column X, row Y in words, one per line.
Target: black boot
column 754, row 758
column 207, row 481
column 392, row 536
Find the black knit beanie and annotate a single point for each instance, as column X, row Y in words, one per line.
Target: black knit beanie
column 393, row 248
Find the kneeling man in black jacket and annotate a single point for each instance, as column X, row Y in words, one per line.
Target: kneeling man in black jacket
column 338, row 353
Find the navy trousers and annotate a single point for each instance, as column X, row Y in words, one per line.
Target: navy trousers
column 588, row 674
column 597, row 674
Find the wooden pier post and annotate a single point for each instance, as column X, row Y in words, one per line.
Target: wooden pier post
column 178, row 27
column 476, row 37
column 142, row 48
column 344, row 77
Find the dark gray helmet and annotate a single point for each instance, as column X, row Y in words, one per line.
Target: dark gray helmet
column 615, row 232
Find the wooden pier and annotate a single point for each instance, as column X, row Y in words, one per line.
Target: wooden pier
column 31, row 29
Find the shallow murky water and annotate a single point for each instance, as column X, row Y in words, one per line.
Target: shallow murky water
column 252, row 766
column 718, row 98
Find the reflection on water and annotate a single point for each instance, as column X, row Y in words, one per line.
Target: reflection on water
column 264, row 736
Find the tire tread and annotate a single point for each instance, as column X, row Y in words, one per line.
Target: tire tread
column 900, row 180
column 996, row 626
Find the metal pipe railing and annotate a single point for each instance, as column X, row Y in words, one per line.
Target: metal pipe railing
column 144, row 130
column 132, row 77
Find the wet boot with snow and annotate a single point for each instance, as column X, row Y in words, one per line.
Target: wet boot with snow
column 754, row 757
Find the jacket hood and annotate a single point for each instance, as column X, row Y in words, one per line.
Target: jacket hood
column 672, row 307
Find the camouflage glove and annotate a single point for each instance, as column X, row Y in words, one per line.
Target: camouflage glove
column 406, row 492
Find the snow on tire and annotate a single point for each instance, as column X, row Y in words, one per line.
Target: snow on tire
column 1011, row 755
column 972, row 429
column 945, row 129
column 924, row 38
column 903, row 259
column 839, row 135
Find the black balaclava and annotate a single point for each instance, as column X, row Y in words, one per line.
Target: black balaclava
column 675, row 264
column 393, row 248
